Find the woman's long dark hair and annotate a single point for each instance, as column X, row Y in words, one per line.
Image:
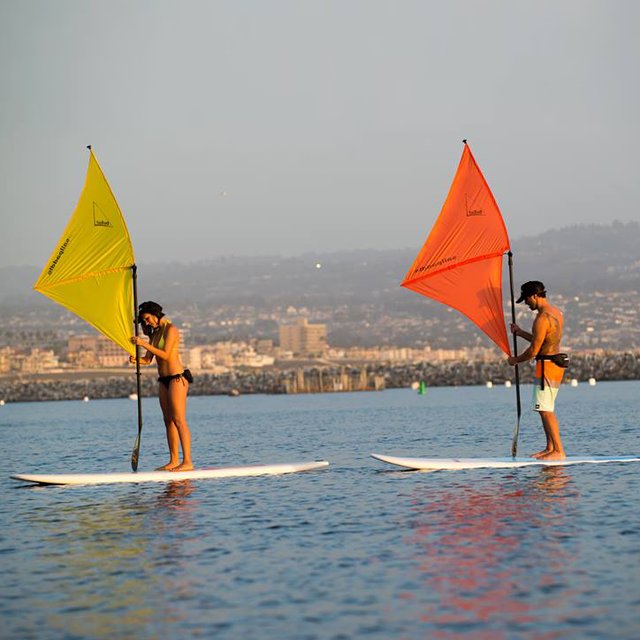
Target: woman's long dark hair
column 152, row 308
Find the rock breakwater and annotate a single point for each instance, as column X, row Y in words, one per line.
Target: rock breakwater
column 619, row 366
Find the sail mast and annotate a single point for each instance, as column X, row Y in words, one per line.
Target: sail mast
column 516, row 430
column 135, row 455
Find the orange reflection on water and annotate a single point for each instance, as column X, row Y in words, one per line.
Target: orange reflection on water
column 174, row 497
column 492, row 553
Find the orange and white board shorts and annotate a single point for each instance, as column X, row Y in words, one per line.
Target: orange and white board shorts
column 545, row 399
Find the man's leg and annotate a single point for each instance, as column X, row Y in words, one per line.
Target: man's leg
column 552, row 431
column 549, row 446
column 538, row 402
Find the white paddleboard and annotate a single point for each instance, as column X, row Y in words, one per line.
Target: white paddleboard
column 170, row 476
column 438, row 464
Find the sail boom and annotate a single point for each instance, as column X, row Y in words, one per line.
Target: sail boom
column 408, row 281
column 87, row 276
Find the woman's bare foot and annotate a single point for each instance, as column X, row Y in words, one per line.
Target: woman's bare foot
column 541, row 454
column 170, row 466
column 554, row 455
column 185, row 466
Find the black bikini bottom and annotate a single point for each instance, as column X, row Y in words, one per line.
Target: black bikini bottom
column 166, row 380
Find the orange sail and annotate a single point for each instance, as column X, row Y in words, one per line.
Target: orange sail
column 460, row 264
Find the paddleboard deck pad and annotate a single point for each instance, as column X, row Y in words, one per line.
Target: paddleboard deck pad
column 169, row 476
column 440, row 464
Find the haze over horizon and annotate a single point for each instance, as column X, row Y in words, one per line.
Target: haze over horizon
column 284, row 128
column 313, row 254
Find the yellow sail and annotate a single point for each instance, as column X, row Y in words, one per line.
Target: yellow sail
column 90, row 270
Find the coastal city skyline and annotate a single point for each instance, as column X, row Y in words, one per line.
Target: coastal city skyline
column 231, row 338
column 230, row 309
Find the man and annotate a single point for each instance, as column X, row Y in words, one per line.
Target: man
column 545, row 339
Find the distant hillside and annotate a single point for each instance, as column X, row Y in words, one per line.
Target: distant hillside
column 572, row 260
column 582, row 258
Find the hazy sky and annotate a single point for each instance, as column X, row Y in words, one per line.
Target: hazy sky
column 283, row 127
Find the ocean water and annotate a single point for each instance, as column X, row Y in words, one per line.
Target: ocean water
column 358, row 550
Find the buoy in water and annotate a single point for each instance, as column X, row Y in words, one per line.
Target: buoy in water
column 133, row 396
column 574, row 382
column 415, row 385
column 85, row 399
column 489, row 384
column 1, row 403
column 592, row 382
column 507, row 383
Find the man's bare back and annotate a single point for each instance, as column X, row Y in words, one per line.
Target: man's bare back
column 549, row 322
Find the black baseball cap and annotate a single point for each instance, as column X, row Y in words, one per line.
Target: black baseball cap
column 532, row 288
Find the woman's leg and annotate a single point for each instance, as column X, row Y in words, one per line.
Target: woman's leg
column 173, row 439
column 177, row 396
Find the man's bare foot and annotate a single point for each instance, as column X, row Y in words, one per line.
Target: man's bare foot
column 540, row 454
column 185, row 466
column 170, row 466
column 554, row 455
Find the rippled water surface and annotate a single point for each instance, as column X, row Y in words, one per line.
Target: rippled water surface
column 356, row 550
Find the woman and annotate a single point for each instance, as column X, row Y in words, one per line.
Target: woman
column 174, row 380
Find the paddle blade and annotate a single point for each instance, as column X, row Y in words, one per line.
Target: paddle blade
column 135, row 456
column 514, row 442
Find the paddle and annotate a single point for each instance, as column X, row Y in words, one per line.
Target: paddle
column 135, row 456
column 516, row 431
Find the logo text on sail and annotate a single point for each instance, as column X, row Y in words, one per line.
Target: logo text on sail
column 61, row 250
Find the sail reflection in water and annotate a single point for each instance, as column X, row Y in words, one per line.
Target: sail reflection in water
column 492, row 554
